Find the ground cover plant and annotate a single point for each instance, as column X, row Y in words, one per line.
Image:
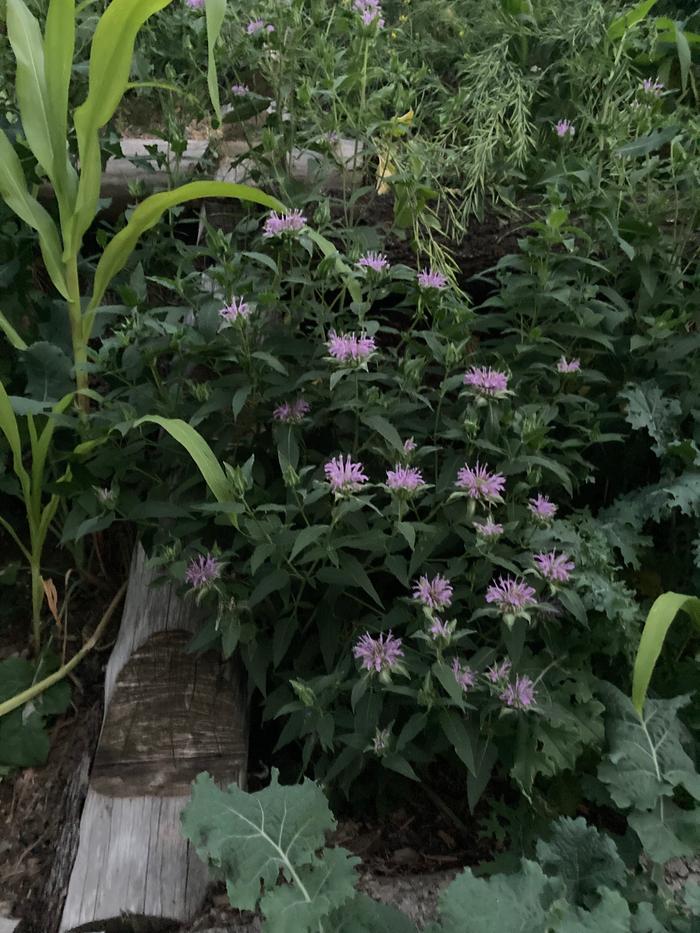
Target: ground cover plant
column 427, row 510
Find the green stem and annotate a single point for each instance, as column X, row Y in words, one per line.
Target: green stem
column 79, row 339
column 15, row 702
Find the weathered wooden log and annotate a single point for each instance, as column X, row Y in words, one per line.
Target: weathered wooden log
column 168, row 716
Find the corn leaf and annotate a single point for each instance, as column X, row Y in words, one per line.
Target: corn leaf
column 216, row 11
column 147, row 215
column 59, row 46
column 198, row 449
column 25, row 38
column 14, row 191
column 110, row 65
column 9, row 427
column 13, row 337
column 659, row 620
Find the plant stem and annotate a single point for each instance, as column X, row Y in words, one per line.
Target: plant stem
column 36, row 689
column 78, row 338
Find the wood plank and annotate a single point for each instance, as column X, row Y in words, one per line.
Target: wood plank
column 168, row 716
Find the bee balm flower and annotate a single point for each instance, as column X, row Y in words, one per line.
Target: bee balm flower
column 555, row 568
column 404, row 480
column 344, row 476
column 510, row 595
column 435, row 593
column 480, row 484
column 378, row 655
column 520, row 694
column 202, row 570
column 564, row 128
column 429, row 278
column 290, row 224
column 542, row 508
column 486, row 381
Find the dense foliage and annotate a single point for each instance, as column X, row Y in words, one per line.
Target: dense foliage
column 426, row 499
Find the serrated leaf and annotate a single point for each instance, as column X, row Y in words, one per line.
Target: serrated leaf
column 668, row 831
column 512, row 903
column 584, row 858
column 251, row 838
column 319, row 888
column 611, row 915
column 649, row 410
column 363, row 915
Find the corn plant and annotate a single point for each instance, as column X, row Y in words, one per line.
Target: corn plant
column 43, row 72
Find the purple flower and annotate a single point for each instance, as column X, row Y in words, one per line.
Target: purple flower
column 377, row 262
column 510, row 595
column 347, row 348
column 542, row 508
column 195, row 4
column 568, row 366
column 655, row 88
column 486, row 381
column 429, row 278
column 370, row 11
column 480, row 483
column 240, row 90
column 438, row 628
column 556, row 568
column 409, row 445
column 280, row 224
column 404, row 479
column 464, row 676
column 258, row 25
column 488, row 529
column 498, row 673
column 564, row 128
column 435, row 593
column 237, row 310
column 520, row 694
column 291, row 412
column 378, row 654
column 202, row 570
column 344, row 476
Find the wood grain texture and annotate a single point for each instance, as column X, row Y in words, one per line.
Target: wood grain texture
column 168, row 716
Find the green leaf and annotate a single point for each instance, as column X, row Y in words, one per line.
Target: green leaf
column 306, row 537
column 684, row 55
column 584, row 858
column 455, row 730
column 649, row 143
column 110, row 65
column 59, row 46
column 30, row 83
column 648, row 409
column 646, row 758
column 252, row 837
column 14, row 192
column 272, row 583
column 619, row 26
column 13, row 337
column 49, row 372
column 215, row 13
column 387, row 431
column 507, row 903
column 10, row 428
column 147, row 215
column 692, row 898
column 661, row 615
column 668, row 831
column 322, row 886
column 363, row 915
column 611, row 915
column 24, row 741
column 198, row 449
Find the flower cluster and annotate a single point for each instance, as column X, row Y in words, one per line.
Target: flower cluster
column 377, row 262
column 435, row 593
column 489, row 529
column 480, row 484
column 555, row 568
column 195, row 4
column 511, row 596
column 236, row 311
column 291, row 412
column 499, row 673
column 284, row 224
column 240, row 90
column 348, row 348
column 485, row 381
column 202, row 571
column 429, row 278
column 520, row 694
column 381, row 654
column 568, row 366
column 258, row 25
column 370, row 12
column 652, row 87
column 564, row 129
column 344, row 475
column 464, row 676
column 404, row 480
column 542, row 508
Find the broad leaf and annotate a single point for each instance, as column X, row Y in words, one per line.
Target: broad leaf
column 254, row 837
column 648, row 409
column 584, row 858
column 611, row 915
column 59, row 46
column 513, row 903
column 363, row 915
